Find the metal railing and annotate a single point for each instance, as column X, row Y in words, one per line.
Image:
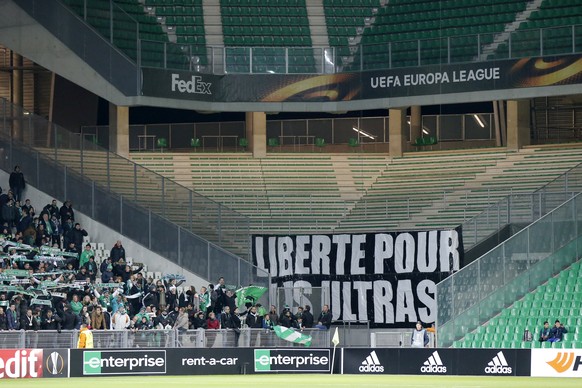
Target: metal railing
column 396, row 339
column 122, row 30
column 200, row 338
column 522, row 208
column 159, row 214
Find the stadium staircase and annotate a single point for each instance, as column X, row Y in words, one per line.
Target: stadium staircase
column 558, row 298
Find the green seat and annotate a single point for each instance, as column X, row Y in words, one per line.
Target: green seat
column 273, row 142
column 353, row 142
column 195, row 143
column 243, row 142
column 419, row 142
column 526, row 344
column 320, row 142
column 162, row 143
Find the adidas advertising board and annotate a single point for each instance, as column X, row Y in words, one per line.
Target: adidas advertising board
column 493, row 362
column 556, row 362
column 427, row 361
column 370, row 361
column 498, row 365
column 433, row 364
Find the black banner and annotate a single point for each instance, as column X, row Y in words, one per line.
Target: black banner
column 471, row 362
column 388, row 279
column 404, row 82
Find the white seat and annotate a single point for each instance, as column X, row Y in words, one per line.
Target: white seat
column 101, row 246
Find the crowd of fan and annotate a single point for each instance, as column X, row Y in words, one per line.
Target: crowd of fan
column 68, row 288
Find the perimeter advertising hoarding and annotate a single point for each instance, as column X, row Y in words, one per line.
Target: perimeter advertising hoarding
column 292, row 360
column 21, row 363
column 556, row 362
column 209, row 361
column 55, row 363
column 402, row 82
column 472, row 362
column 194, row 361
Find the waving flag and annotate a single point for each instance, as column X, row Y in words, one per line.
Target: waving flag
column 249, row 294
column 292, row 336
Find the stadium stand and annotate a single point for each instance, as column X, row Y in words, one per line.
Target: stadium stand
column 348, row 193
column 295, row 193
column 123, row 22
column 399, row 24
column 556, row 36
column 559, row 298
column 275, row 30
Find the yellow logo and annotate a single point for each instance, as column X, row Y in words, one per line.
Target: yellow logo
column 562, row 362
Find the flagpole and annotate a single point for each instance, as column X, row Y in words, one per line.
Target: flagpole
column 333, row 358
column 335, row 341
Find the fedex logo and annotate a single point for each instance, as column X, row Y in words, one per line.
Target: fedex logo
column 193, row 86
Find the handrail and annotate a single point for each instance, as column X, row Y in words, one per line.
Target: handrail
column 515, row 267
column 111, row 203
column 332, row 60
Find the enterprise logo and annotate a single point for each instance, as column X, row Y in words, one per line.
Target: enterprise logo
column 291, row 360
column 126, row 362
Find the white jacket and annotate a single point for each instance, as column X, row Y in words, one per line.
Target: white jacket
column 120, row 321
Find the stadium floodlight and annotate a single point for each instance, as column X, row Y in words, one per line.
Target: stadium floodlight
column 479, row 121
column 364, row 133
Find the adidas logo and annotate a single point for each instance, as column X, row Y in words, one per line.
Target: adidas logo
column 371, row 364
column 498, row 365
column 434, row 364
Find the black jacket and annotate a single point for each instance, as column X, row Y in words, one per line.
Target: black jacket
column 16, row 180
column 54, row 323
column 254, row 321
column 307, row 319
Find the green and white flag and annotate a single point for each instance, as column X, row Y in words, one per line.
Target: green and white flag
column 204, row 301
column 249, row 294
column 291, row 335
